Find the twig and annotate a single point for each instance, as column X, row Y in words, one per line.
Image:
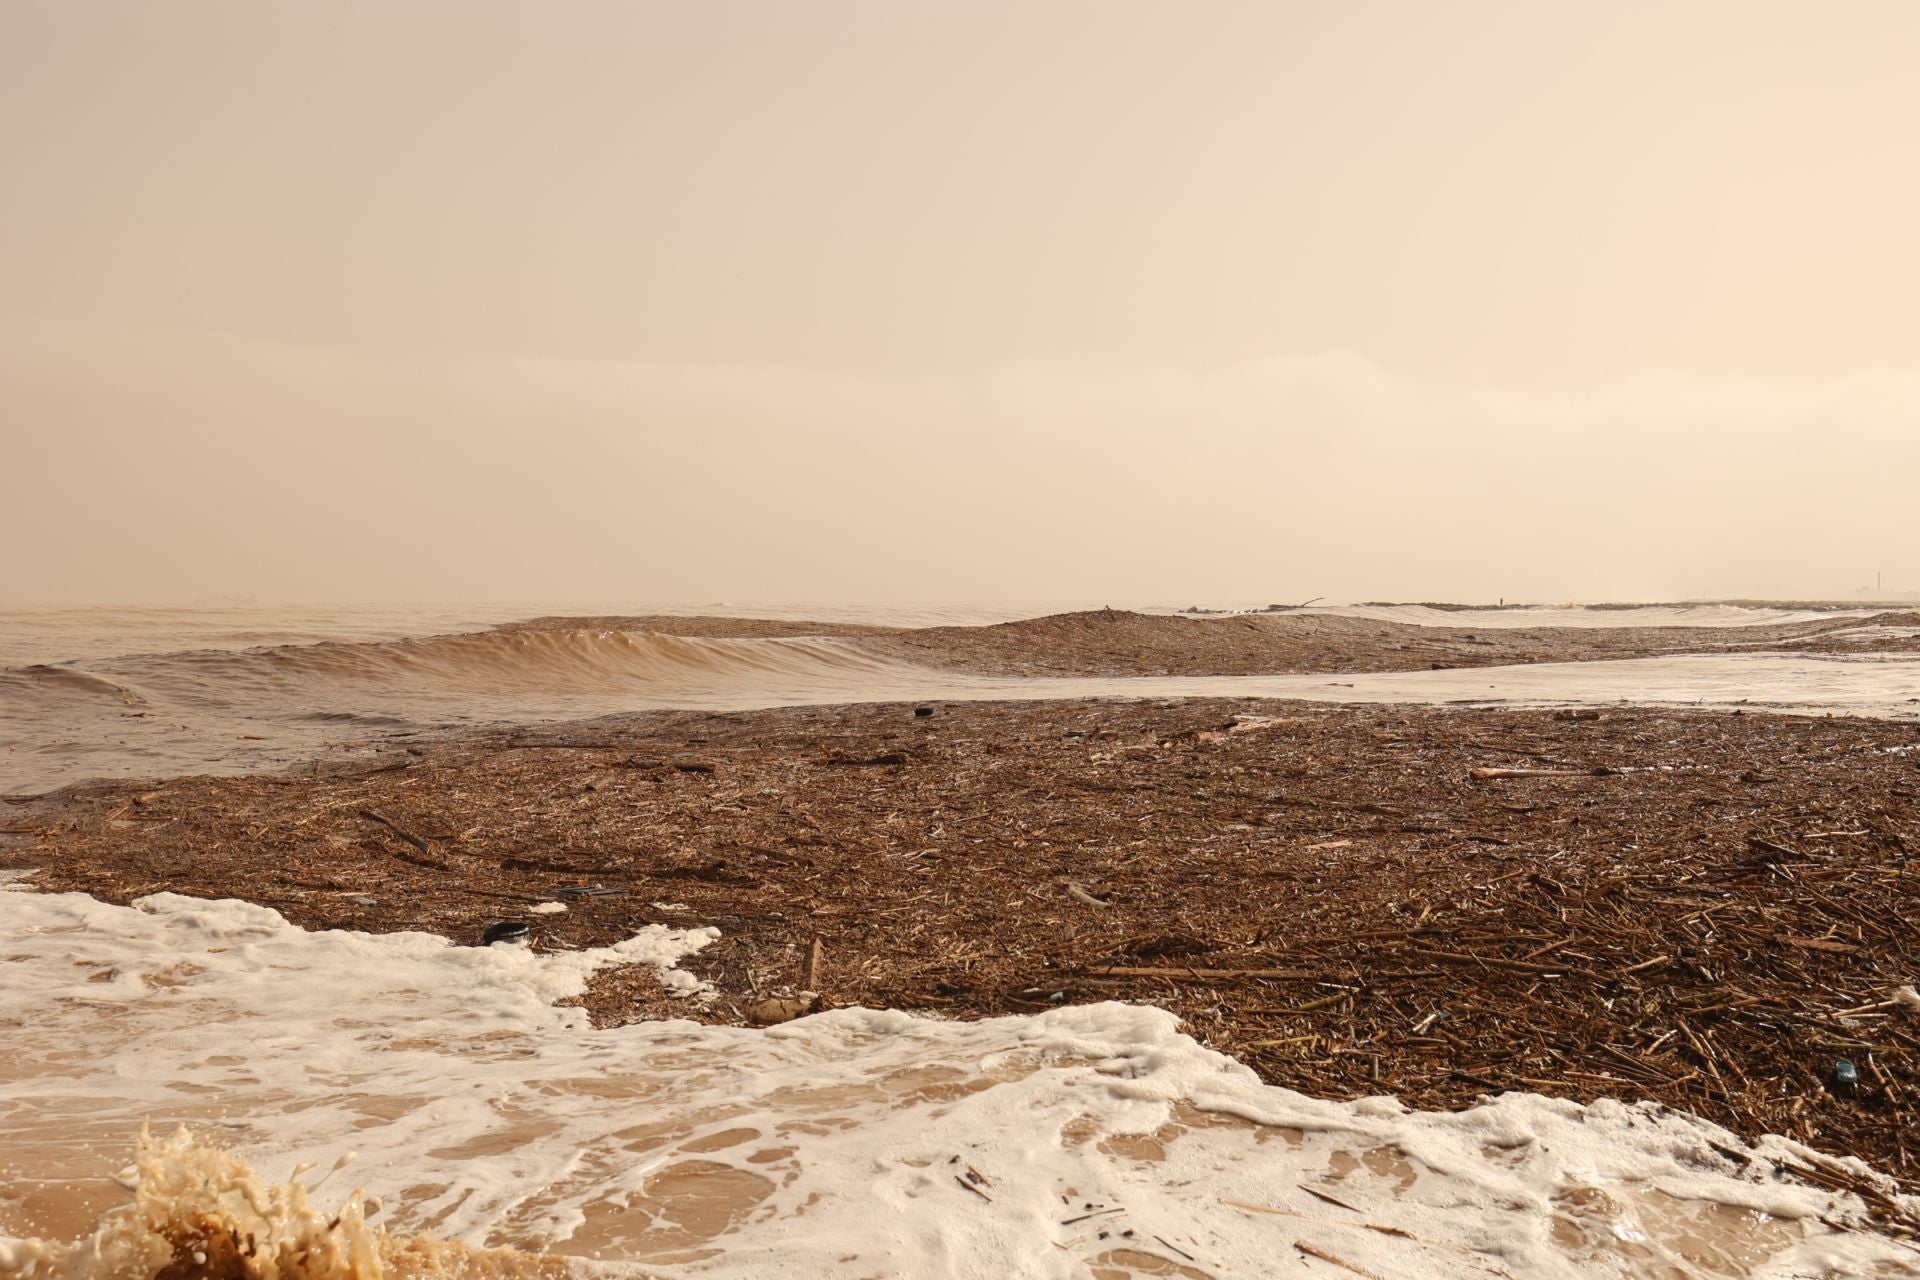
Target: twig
column 374, row 816
column 1314, row 1251
column 1078, row 894
column 1176, row 1248
column 428, row 861
column 968, row 1186
column 1142, row 971
column 1322, row 1003
column 815, row 955
column 1492, row 962
column 1321, row 1195
column 1816, row 944
column 1097, row 1213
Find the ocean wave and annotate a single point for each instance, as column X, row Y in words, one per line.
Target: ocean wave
column 485, row 664
column 200, row 1213
column 47, row 680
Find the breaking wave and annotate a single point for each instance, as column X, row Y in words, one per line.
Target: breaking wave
column 54, row 681
column 200, row 1213
column 476, row 664
column 239, row 710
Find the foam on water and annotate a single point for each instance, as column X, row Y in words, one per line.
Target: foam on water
column 1584, row 616
column 1085, row 1142
column 1883, row 686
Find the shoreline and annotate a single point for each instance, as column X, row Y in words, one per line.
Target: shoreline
column 285, row 706
column 1326, row 892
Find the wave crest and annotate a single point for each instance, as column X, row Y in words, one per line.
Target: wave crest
column 480, row 663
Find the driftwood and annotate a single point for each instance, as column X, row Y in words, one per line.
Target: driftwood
column 1153, row 971
column 816, row 956
column 1314, row 1251
column 412, row 839
column 425, row 860
column 682, row 766
column 1079, row 894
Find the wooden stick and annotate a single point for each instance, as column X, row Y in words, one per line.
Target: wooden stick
column 1078, row 894
column 372, row 815
column 1494, row 962
column 1140, row 971
column 1314, row 1251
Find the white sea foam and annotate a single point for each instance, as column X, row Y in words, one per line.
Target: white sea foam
column 1885, row 686
column 1093, row 1141
column 1585, row 616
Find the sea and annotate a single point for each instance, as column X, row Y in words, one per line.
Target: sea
column 202, row 1086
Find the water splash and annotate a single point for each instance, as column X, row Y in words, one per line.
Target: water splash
column 200, row 1213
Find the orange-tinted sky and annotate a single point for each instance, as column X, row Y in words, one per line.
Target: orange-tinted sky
column 1119, row 300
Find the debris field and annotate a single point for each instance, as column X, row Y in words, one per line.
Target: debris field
column 1711, row 910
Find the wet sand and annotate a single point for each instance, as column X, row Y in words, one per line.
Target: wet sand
column 1707, row 909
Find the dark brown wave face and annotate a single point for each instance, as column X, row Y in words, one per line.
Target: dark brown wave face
column 486, row 663
column 227, row 711
column 66, row 680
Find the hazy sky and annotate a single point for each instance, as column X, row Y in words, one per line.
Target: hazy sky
column 1036, row 300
